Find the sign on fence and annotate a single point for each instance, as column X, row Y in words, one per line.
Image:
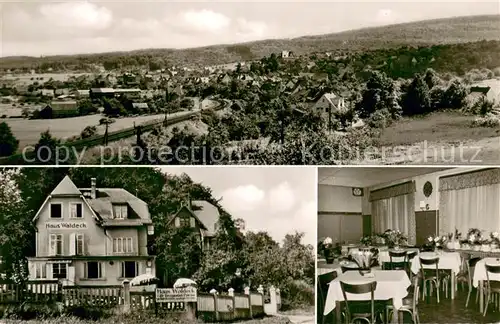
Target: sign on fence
column 176, row 295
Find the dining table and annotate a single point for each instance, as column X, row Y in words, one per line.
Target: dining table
column 447, row 261
column 322, row 267
column 391, row 285
column 480, row 277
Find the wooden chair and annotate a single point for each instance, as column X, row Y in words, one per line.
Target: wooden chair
column 430, row 276
column 410, row 304
column 322, row 286
column 360, row 307
column 467, row 275
column 409, row 257
column 492, row 286
column 401, row 265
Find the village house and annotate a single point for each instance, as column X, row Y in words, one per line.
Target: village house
column 328, row 104
column 59, row 109
column 202, row 217
column 91, row 236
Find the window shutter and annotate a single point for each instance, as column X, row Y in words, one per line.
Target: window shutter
column 72, row 244
column 52, row 244
column 102, row 266
column 50, row 273
column 177, row 222
column 70, row 274
column 72, row 210
column 191, row 220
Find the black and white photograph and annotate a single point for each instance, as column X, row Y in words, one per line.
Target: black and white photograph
column 157, row 245
column 414, row 245
column 250, row 82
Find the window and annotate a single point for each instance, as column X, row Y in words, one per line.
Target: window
column 76, row 210
column 79, row 244
column 40, row 271
column 123, row 245
column 129, row 269
column 192, row 222
column 56, row 244
column 184, row 221
column 120, row 211
column 59, row 270
column 93, row 270
column 55, row 211
column 177, row 222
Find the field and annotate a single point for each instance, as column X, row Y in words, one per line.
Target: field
column 453, row 130
column 430, row 32
column 20, row 79
column 28, row 131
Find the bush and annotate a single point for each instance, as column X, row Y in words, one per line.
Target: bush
column 297, row 294
column 489, row 120
column 87, row 312
column 30, row 310
column 379, row 119
column 88, row 131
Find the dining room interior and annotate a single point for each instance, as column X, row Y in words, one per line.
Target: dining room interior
column 408, row 244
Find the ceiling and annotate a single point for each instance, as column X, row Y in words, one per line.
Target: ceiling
column 368, row 176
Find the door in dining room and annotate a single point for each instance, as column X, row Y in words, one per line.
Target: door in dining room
column 341, row 227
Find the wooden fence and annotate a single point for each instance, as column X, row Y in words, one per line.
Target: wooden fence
column 213, row 306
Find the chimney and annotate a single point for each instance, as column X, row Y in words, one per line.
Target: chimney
column 93, row 183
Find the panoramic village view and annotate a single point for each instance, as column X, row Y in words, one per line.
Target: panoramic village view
column 400, row 92
column 147, row 245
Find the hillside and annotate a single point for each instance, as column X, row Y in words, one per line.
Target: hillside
column 429, row 32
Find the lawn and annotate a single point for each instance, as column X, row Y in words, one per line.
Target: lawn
column 440, row 138
column 448, row 127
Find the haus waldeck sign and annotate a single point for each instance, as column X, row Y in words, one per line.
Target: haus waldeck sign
column 66, row 225
column 176, row 295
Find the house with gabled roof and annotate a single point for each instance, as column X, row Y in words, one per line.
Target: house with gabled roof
column 91, row 236
column 202, row 217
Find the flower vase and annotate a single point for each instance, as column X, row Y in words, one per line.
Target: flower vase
column 365, row 271
column 450, row 245
column 328, row 257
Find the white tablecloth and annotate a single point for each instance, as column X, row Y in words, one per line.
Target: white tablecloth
column 390, row 285
column 383, row 255
column 324, row 268
column 480, row 271
column 447, row 261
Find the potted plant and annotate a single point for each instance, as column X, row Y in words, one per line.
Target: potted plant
column 394, row 238
column 435, row 243
column 474, row 238
column 495, row 240
column 365, row 259
column 367, row 240
column 328, row 250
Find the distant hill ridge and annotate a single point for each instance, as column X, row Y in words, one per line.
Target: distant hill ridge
column 420, row 33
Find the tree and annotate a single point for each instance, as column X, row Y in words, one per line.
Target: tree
column 46, row 149
column 431, row 78
column 8, row 142
column 417, row 99
column 15, row 228
column 455, row 95
column 380, row 94
column 86, row 107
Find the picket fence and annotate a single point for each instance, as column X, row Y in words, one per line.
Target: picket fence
column 213, row 306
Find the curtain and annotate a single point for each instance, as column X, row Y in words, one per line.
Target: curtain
column 470, row 200
column 394, row 208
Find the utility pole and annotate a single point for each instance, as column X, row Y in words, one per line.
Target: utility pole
column 106, row 133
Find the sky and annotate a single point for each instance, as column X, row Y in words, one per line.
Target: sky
column 278, row 200
column 36, row 27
